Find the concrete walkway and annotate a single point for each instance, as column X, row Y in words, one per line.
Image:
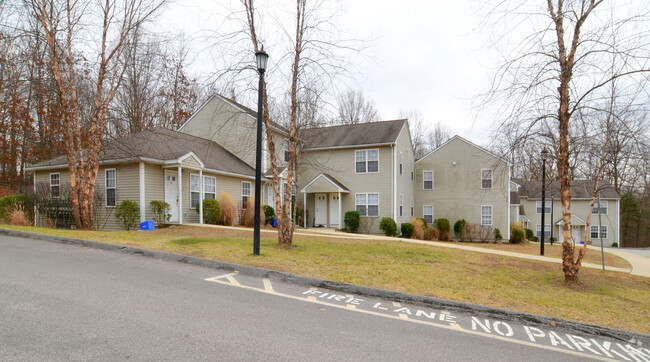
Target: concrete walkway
column 640, row 264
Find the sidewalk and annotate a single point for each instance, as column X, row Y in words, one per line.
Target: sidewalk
column 640, row 264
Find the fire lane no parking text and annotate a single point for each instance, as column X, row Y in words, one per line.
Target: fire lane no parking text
column 594, row 347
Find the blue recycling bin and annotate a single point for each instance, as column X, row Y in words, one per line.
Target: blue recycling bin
column 274, row 223
column 147, row 225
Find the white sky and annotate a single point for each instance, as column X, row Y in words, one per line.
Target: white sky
column 427, row 55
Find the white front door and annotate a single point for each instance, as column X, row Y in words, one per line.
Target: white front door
column 321, row 210
column 576, row 234
column 171, row 193
column 334, row 210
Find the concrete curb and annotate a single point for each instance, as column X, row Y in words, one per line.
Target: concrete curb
column 414, row 299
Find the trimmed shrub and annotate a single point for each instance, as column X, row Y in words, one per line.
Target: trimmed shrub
column 407, row 230
column 431, row 234
column 269, row 214
column 128, row 213
column 497, row 234
column 614, row 245
column 160, row 211
column 211, row 211
column 442, row 225
column 529, row 234
column 517, row 236
column 534, row 238
column 228, row 209
column 419, row 226
column 351, row 220
column 388, row 226
column 459, row 229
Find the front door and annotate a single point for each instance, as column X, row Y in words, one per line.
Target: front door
column 334, row 210
column 171, row 193
column 321, row 210
column 576, row 234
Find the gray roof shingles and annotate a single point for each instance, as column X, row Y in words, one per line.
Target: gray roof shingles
column 352, row 135
column 163, row 144
column 580, row 189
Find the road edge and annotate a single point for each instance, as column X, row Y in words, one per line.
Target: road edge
column 636, row 338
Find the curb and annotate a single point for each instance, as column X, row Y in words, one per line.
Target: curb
column 414, row 299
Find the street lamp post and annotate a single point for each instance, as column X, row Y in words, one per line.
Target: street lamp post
column 544, row 156
column 261, row 58
column 552, row 199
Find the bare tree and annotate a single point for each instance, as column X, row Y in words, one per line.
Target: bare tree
column 424, row 140
column 559, row 73
column 353, row 108
column 64, row 27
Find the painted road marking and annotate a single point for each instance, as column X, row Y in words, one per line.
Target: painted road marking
column 494, row 329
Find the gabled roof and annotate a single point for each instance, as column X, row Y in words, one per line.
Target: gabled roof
column 352, row 135
column 237, row 105
column 580, row 189
column 336, row 183
column 457, row 137
column 160, row 145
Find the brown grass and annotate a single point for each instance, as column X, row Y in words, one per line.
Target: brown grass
column 248, row 214
column 418, row 229
column 18, row 217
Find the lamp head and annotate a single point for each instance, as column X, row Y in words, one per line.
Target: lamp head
column 262, row 58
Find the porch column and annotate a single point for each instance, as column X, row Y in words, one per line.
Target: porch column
column 304, row 219
column 340, row 213
column 180, row 195
column 143, row 207
column 201, row 197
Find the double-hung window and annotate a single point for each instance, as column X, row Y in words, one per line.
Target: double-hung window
column 427, row 180
column 195, row 190
column 401, row 205
column 486, row 178
column 594, row 232
column 367, row 204
column 111, row 184
column 547, row 231
column 366, row 161
column 427, row 213
column 603, row 207
column 547, row 207
column 245, row 193
column 411, row 207
column 401, row 161
column 209, row 187
column 486, row 215
column 55, row 184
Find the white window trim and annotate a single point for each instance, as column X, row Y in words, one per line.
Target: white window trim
column 594, row 211
column 599, row 232
column 250, row 185
column 215, row 186
column 538, row 205
column 59, row 185
column 547, row 229
column 433, row 185
column 432, row 212
column 401, row 205
column 196, row 192
column 401, row 163
column 491, row 215
column 491, row 178
column 366, row 152
column 106, row 188
column 366, row 204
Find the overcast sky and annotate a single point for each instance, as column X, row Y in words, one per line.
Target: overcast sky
column 427, row 56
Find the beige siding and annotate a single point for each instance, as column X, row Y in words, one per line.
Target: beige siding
column 191, row 163
column 340, row 164
column 457, row 192
column 404, row 183
column 579, row 208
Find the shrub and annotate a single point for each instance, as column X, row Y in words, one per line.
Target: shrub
column 18, row 217
column 614, row 245
column 228, row 209
column 211, row 211
column 431, row 234
column 442, row 225
column 388, row 226
column 529, row 234
column 351, row 220
column 534, row 238
column 424, row 223
column 445, row 236
column 269, row 214
column 128, row 213
column 516, row 235
column 497, row 234
column 160, row 211
column 552, row 240
column 407, row 230
column 459, row 229
column 248, row 214
column 8, row 204
column 419, row 226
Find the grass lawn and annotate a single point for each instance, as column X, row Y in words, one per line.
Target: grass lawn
column 554, row 251
column 606, row 298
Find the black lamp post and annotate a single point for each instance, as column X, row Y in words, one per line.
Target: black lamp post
column 552, row 199
column 544, row 156
column 261, row 58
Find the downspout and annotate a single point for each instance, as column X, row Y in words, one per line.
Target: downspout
column 510, row 201
column 393, row 182
column 180, row 195
column 304, row 219
column 143, row 208
column 202, row 196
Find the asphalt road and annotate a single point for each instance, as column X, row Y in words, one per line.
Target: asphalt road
column 66, row 302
